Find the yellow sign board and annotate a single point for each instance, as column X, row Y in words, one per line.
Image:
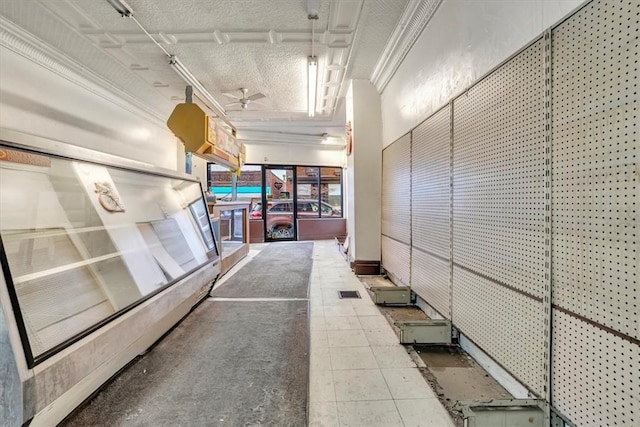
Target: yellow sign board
column 205, row 137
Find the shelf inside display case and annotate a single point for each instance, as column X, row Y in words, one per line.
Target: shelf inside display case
column 84, row 242
column 231, row 220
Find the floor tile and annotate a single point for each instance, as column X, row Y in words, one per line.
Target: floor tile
column 407, row 383
column 320, row 359
column 392, row 357
column 366, row 310
column 315, row 310
column 361, row 384
column 339, row 310
column 381, row 337
column 350, row 338
column 341, row 323
column 374, row 322
column 357, row 366
column 335, row 285
column 317, row 322
column 316, row 302
column 323, row 414
column 319, row 339
column 423, row 413
column 382, row 413
column 321, row 386
column 352, row 358
column 364, row 299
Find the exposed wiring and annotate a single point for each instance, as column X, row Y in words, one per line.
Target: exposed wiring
column 166, row 52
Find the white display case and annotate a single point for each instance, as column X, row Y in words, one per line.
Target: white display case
column 82, row 242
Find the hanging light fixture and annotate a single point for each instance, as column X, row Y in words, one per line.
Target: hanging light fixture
column 312, row 61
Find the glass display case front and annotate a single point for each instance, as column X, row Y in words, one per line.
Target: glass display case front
column 82, row 242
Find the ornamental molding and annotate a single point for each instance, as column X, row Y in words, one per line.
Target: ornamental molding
column 413, row 21
column 30, row 47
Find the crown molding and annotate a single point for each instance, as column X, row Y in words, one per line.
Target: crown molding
column 413, row 21
column 25, row 44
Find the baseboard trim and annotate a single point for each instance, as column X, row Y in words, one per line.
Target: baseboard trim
column 366, row 267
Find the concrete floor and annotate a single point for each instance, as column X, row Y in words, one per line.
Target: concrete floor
column 235, row 361
column 221, row 367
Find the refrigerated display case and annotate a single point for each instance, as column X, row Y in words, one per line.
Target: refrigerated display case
column 85, row 240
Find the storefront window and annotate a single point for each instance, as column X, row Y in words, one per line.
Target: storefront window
column 219, row 181
column 331, row 190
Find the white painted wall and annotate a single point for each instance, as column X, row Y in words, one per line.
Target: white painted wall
column 199, row 169
column 464, row 40
column 349, row 180
column 295, row 154
column 36, row 100
column 364, row 171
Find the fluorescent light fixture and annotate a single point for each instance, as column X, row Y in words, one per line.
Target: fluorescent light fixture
column 121, row 7
column 313, row 81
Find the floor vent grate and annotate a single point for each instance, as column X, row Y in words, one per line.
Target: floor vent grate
column 349, row 294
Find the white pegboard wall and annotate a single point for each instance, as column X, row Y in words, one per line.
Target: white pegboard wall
column 504, row 323
column 430, row 184
column 596, row 178
column 595, row 374
column 499, row 174
column 396, row 257
column 430, row 211
column 396, row 190
column 430, row 279
column 595, row 215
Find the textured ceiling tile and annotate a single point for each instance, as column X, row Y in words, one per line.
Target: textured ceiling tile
column 261, row 45
column 379, row 19
column 39, row 19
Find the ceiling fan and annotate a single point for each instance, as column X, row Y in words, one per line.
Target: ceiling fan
column 244, row 100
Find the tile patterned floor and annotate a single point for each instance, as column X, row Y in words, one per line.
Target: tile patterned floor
column 359, row 374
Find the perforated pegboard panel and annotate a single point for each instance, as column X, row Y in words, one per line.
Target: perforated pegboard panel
column 595, row 197
column 503, row 322
column 396, row 258
column 430, row 177
column 396, row 190
column 499, row 170
column 595, row 374
column 596, row 189
column 430, row 279
column 430, row 210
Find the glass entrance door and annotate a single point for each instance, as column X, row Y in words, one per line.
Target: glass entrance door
column 278, row 209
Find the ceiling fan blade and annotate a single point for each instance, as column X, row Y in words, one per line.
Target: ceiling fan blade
column 230, row 95
column 256, row 96
column 232, row 104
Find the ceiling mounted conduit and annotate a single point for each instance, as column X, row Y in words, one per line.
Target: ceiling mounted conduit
column 127, row 12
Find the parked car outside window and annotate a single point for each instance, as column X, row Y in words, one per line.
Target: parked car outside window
column 280, row 215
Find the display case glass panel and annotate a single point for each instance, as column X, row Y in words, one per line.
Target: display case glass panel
column 82, row 242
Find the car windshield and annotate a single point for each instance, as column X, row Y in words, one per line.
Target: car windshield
column 303, row 207
column 281, row 207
